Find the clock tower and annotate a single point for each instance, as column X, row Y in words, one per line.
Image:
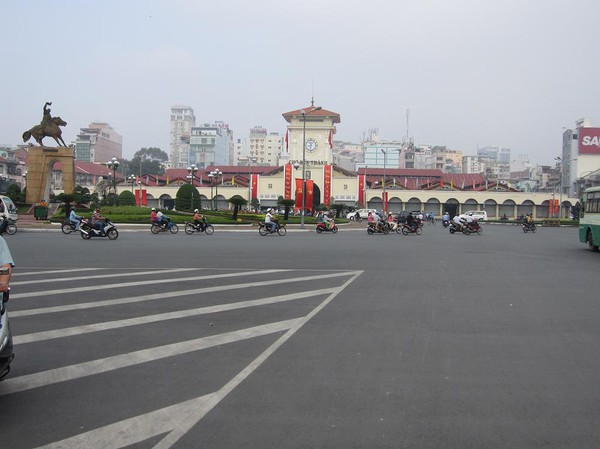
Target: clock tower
column 317, row 126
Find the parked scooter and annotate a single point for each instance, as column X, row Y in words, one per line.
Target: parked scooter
column 88, row 230
column 322, row 227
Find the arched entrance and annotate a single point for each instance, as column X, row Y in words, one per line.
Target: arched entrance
column 40, row 161
column 451, row 207
column 316, row 196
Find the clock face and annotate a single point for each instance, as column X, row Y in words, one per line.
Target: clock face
column 311, row 145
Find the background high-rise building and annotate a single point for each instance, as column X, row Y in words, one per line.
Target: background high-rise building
column 211, row 144
column 98, row 143
column 182, row 121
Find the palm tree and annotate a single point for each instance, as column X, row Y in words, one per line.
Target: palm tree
column 237, row 202
column 286, row 203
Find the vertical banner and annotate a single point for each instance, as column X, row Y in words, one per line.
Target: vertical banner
column 327, row 185
column 298, row 194
column 254, row 184
column 385, row 202
column 141, row 198
column 361, row 189
column 310, row 184
column 288, row 182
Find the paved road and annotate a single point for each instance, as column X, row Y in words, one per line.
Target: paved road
column 235, row 340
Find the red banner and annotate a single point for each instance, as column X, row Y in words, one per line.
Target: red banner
column 288, row 182
column 254, row 183
column 308, row 201
column 385, row 201
column 141, row 198
column 327, row 185
column 361, row 189
column 589, row 140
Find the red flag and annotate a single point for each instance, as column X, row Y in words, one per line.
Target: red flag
column 286, row 140
column 330, row 139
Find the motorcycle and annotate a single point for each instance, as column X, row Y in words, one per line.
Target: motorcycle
column 277, row 229
column 454, row 227
column 6, row 349
column 322, row 227
column 472, row 227
column 409, row 229
column 528, row 227
column 445, row 223
column 155, row 228
column 88, row 230
column 8, row 225
column 68, row 227
column 374, row 228
column 191, row 228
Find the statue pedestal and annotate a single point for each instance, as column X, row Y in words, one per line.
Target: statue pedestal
column 39, row 165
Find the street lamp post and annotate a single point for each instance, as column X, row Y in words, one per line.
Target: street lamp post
column 140, row 192
column 218, row 174
column 113, row 164
column 304, row 114
column 559, row 163
column 131, row 180
column 192, row 169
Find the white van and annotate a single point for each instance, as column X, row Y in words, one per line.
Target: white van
column 8, row 208
column 479, row 215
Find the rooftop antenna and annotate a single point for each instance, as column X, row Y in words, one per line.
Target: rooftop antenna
column 407, row 124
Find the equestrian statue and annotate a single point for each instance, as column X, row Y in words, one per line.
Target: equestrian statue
column 49, row 127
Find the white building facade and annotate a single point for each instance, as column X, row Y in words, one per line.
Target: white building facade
column 181, row 124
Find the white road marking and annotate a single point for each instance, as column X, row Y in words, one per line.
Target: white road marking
column 173, row 294
column 97, row 327
column 101, row 276
column 178, row 419
column 70, row 270
column 77, row 371
column 135, row 283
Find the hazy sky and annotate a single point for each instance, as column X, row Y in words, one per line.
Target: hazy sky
column 472, row 72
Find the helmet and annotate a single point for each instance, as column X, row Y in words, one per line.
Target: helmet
column 195, row 210
column 154, row 208
column 269, row 210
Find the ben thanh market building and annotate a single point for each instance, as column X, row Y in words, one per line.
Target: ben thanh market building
column 308, row 142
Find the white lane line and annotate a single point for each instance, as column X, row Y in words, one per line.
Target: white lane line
column 77, row 371
column 102, row 276
column 98, row 327
column 173, row 294
column 177, row 419
column 136, row 283
column 71, row 270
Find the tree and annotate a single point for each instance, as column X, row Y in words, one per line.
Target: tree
column 126, row 198
column 68, row 199
column 237, row 202
column 187, row 198
column 287, row 204
column 14, row 193
column 82, row 194
column 152, row 154
column 338, row 208
column 255, row 203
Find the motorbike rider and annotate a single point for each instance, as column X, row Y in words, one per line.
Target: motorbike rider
column 75, row 219
column 98, row 221
column 199, row 220
column 154, row 216
column 445, row 217
column 528, row 221
column 410, row 221
column 7, row 264
column 391, row 222
column 459, row 222
column 163, row 220
column 270, row 220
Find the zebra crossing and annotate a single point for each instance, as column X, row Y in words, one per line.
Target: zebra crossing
column 80, row 333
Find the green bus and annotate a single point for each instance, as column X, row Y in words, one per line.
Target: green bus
column 589, row 218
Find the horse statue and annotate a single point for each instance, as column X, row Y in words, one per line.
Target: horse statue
column 38, row 132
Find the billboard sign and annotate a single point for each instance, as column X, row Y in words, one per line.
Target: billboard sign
column 589, row 140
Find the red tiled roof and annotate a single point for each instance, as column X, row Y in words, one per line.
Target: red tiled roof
column 320, row 113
